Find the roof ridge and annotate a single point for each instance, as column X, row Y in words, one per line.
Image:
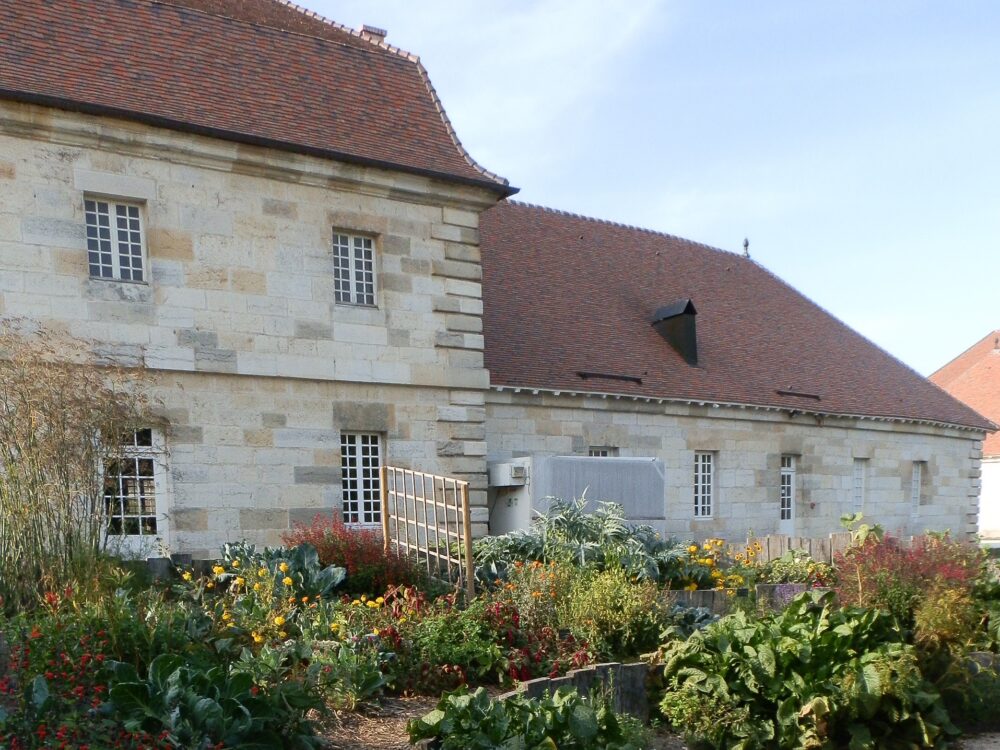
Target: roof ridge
column 438, row 105
column 953, row 360
column 348, row 30
column 622, row 225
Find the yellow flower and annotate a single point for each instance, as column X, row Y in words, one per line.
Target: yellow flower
column 186, row 575
column 258, row 638
column 375, row 631
column 256, row 587
column 240, row 581
column 218, row 570
column 709, row 562
column 402, row 620
column 334, row 626
column 707, row 547
column 236, row 563
column 287, row 581
column 692, row 587
column 693, row 549
column 380, row 600
column 355, row 603
column 364, row 597
column 279, row 621
column 209, row 585
column 283, row 634
column 757, row 546
column 371, row 605
column 226, row 616
column 283, row 567
column 262, row 573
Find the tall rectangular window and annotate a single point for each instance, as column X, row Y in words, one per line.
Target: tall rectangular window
column 130, row 486
column 787, row 488
column 353, row 269
column 916, row 484
column 704, row 483
column 860, row 480
column 360, row 460
column 114, row 240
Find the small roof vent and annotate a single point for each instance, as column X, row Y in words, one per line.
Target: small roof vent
column 675, row 323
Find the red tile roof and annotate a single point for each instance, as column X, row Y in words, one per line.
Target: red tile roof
column 973, row 377
column 253, row 71
column 564, row 294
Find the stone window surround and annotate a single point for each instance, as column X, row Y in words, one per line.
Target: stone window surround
column 119, row 189
column 353, row 234
column 157, row 452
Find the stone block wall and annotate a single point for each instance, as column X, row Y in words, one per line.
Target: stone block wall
column 748, row 444
column 238, row 310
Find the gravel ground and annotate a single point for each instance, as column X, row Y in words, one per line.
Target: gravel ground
column 989, row 741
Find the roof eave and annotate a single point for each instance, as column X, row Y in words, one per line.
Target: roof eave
column 535, row 390
column 500, row 187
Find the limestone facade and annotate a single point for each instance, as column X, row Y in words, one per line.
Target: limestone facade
column 748, row 444
column 258, row 368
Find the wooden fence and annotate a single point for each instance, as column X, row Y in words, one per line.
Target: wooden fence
column 775, row 545
column 427, row 517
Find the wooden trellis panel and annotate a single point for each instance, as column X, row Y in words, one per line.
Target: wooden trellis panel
column 427, row 517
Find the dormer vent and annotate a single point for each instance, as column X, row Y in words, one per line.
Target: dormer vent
column 675, row 322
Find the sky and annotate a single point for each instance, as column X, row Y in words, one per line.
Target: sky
column 855, row 143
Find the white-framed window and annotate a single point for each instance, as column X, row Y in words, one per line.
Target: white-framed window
column 602, row 451
column 360, row 482
column 116, row 243
column 860, row 482
column 704, row 483
column 354, row 269
column 916, row 484
column 786, row 494
column 133, row 493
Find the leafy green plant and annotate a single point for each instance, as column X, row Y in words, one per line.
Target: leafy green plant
column 813, row 676
column 201, row 708
column 796, row 566
column 300, row 563
column 615, row 614
column 565, row 720
column 604, row 539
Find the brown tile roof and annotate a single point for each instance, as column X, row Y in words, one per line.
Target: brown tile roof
column 973, row 377
column 254, row 71
column 565, row 294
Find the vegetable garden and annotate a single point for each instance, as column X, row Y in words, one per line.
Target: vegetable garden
column 266, row 648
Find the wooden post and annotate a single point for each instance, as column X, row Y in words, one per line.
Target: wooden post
column 383, row 481
column 470, row 570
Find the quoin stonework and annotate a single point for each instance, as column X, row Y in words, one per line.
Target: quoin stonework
column 273, row 214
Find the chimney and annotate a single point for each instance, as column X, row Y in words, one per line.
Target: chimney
column 675, row 322
column 373, row 33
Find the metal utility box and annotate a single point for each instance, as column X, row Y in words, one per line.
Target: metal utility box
column 523, row 487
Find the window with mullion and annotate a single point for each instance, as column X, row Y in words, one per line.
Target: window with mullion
column 787, row 491
column 353, row 269
column 114, row 240
column 704, row 480
column 360, row 481
column 130, row 494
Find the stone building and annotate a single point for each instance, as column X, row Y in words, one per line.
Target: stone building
column 767, row 413
column 274, row 215
column 973, row 377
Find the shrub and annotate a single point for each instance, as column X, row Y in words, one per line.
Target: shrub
column 569, row 535
column 813, row 676
column 880, row 572
column 615, row 614
column 360, row 551
column 567, row 720
column 796, row 566
column 62, row 419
